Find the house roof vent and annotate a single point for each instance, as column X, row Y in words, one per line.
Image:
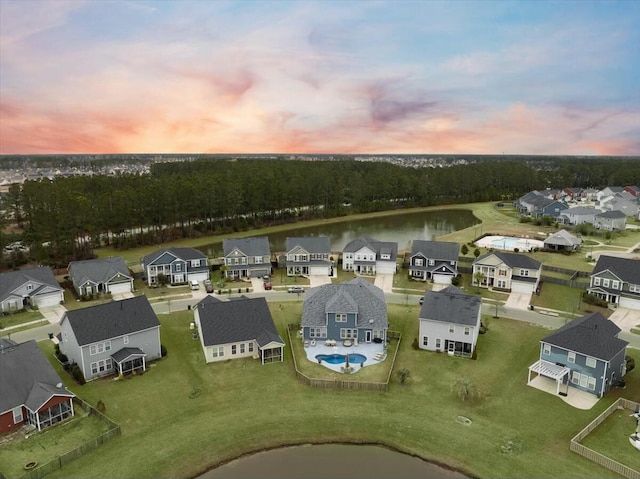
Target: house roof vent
column 371, row 321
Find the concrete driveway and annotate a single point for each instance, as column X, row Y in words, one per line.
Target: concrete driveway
column 258, row 285
column 518, row 300
column 53, row 314
column 625, row 318
column 384, row 282
column 318, row 280
column 121, row 296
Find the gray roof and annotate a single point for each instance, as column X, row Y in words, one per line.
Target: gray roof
column 311, row 244
column 224, row 322
column 12, row 280
column 27, row 377
column 451, row 305
column 380, row 247
column 591, row 335
column 182, row 253
column 355, row 296
column 628, row 270
column 581, row 210
column 125, row 353
column 110, row 320
column 249, row 246
column 442, row 250
column 563, row 237
column 611, row 214
column 98, row 270
column 513, row 260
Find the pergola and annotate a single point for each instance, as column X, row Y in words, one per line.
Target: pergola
column 549, row 370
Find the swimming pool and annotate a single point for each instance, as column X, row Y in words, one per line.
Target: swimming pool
column 341, row 358
column 505, row 243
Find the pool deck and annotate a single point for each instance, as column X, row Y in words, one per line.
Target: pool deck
column 509, row 243
column 366, row 349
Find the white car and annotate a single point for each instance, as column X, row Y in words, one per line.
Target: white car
column 296, row 289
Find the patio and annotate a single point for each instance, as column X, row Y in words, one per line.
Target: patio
column 575, row 397
column 370, row 350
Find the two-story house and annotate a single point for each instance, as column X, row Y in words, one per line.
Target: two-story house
column 355, row 310
column 612, row 220
column 175, row 266
column 103, row 275
column 585, row 353
column 368, row 256
column 434, row 260
column 507, row 272
column 578, row 215
column 31, row 392
column 309, row 255
column 111, row 338
column 247, row 257
column 238, row 328
column 449, row 321
column 35, row 287
column 617, row 281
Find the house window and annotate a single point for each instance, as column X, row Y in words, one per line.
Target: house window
column 233, row 349
column 425, row 340
column 126, row 340
column 452, row 329
column 17, row 415
column 524, row 272
column 178, row 267
column 438, row 343
column 29, row 287
column 605, row 283
column 341, row 317
column 575, row 377
column 250, row 347
column 195, row 263
column 217, row 351
column 378, row 333
column 591, row 383
column 432, row 262
column 571, row 357
column 615, row 284
column 502, row 272
column 318, row 332
column 546, row 349
column 634, row 288
column 101, row 366
column 348, row 333
column 242, row 348
column 467, row 331
column 591, row 362
column 257, row 260
column 596, row 281
column 419, row 262
column 99, row 348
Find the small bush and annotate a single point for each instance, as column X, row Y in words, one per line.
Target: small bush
column 100, row 406
column 630, row 363
column 414, row 345
column 77, row 374
column 163, row 350
column 594, row 300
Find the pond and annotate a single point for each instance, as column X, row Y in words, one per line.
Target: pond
column 401, row 228
column 337, row 461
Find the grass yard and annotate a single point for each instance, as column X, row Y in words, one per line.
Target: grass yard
column 184, row 416
column 46, row 445
column 18, row 317
column 607, row 439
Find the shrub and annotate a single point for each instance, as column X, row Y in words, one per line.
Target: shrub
column 630, row 363
column 163, row 350
column 456, row 280
column 414, row 345
column 594, row 300
column 77, row 374
column 100, row 406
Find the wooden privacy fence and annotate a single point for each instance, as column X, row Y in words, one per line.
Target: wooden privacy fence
column 596, row 457
column 58, row 462
column 344, row 383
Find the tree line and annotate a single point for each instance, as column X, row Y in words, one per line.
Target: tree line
column 67, row 218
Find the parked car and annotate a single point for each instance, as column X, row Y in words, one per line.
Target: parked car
column 194, row 285
column 296, row 289
column 267, row 285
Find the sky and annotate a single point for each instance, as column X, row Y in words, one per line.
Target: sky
column 407, row 77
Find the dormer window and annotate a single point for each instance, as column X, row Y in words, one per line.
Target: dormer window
column 341, row 317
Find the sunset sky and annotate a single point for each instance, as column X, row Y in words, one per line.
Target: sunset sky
column 526, row 77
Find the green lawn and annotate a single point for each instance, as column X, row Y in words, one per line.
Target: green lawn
column 19, row 317
column 184, row 416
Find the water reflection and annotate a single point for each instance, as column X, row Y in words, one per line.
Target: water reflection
column 337, row 461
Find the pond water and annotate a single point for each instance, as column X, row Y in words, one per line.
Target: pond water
column 401, row 228
column 335, row 461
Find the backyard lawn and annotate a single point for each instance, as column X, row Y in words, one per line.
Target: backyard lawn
column 183, row 416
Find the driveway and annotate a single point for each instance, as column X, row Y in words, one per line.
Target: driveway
column 384, row 282
column 53, row 314
column 318, row 280
column 258, row 285
column 625, row 318
column 121, row 296
column 518, row 300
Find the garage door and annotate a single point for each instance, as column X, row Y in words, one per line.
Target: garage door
column 259, row 273
column 385, row 267
column 319, row 270
column 199, row 276
column 442, row 278
column 518, row 287
column 47, row 300
column 120, row 288
column 629, row 303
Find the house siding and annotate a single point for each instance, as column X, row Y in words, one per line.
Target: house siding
column 561, row 356
column 6, row 421
column 228, row 351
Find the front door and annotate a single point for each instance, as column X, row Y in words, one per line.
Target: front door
column 452, row 346
column 367, row 336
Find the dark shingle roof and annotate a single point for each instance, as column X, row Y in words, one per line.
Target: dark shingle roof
column 12, row 280
column 311, row 244
column 224, row 322
column 110, row 320
column 592, row 335
column 357, row 295
column 628, row 270
column 380, row 247
column 97, row 270
column 563, row 237
column 513, row 260
column 442, row 250
column 27, row 377
column 182, row 253
column 451, row 305
column 249, row 246
column 611, row 214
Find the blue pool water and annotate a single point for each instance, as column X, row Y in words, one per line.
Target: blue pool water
column 505, row 243
column 341, row 358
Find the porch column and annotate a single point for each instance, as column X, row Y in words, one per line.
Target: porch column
column 281, row 354
column 71, row 404
column 120, row 369
column 144, row 364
